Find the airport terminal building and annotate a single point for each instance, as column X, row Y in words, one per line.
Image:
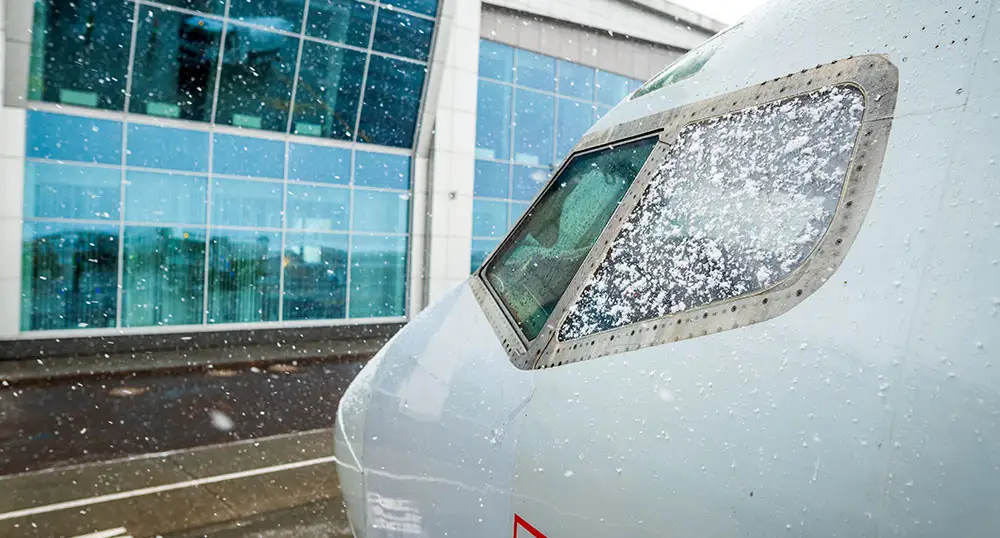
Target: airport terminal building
column 201, row 165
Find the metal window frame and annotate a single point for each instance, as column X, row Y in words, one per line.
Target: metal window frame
column 877, row 79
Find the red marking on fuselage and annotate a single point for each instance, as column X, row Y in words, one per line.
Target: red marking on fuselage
column 519, row 522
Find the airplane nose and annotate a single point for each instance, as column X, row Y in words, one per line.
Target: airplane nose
column 349, row 435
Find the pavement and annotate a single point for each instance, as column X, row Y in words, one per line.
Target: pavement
column 220, row 450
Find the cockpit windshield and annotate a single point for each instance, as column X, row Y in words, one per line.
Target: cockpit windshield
column 533, row 269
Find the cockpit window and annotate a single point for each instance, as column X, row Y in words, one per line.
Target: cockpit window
column 532, row 270
column 739, row 204
column 686, row 66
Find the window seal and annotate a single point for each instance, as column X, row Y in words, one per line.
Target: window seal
column 877, row 79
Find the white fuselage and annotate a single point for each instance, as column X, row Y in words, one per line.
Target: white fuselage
column 870, row 409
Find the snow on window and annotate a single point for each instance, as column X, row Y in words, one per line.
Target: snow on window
column 740, row 202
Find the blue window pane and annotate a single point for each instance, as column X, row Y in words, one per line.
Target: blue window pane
column 246, row 203
column 493, row 111
column 403, row 35
column 492, row 179
column 612, row 88
column 496, row 61
column 516, row 210
column 343, row 21
column 243, row 276
column 489, row 219
column 247, row 156
column 574, row 118
column 381, row 211
column 315, row 276
column 534, row 119
column 329, row 89
column 176, row 56
column 73, row 138
column 536, row 71
column 71, row 192
column 165, row 198
column 424, row 7
column 599, row 112
column 381, row 170
column 378, row 276
column 528, row 181
column 576, row 80
column 256, row 84
column 279, row 14
column 163, row 147
column 70, row 276
column 215, row 7
column 317, row 208
column 319, row 164
column 481, row 249
column 81, row 52
column 392, row 101
column 164, row 276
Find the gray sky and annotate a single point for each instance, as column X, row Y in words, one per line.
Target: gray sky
column 727, row 11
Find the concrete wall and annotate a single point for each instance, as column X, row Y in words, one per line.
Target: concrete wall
column 12, row 123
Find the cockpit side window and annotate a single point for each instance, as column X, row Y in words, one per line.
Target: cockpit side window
column 740, row 202
column 531, row 271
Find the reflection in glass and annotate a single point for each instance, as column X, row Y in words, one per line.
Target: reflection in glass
column 516, row 210
column 71, row 192
column 534, row 119
column 381, row 211
column 326, row 98
column 81, row 52
column 496, row 61
column 256, row 84
column 573, row 120
column 527, row 181
column 492, row 179
column 481, row 248
column 73, row 138
column 576, row 80
column 600, row 111
column 533, row 269
column 320, row 164
column 69, row 276
column 236, row 202
column 243, row 276
column 175, row 63
column 165, row 198
column 215, row 7
column 424, row 7
column 536, row 70
column 612, row 88
column 378, row 276
column 312, row 207
column 283, row 15
column 489, row 218
column 164, row 276
column 493, row 110
column 342, row 21
column 392, row 101
column 248, row 156
column 381, row 170
column 403, row 35
column 164, row 147
column 315, row 276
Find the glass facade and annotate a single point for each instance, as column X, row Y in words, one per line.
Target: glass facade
column 184, row 227
column 274, row 65
column 532, row 111
column 128, row 223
